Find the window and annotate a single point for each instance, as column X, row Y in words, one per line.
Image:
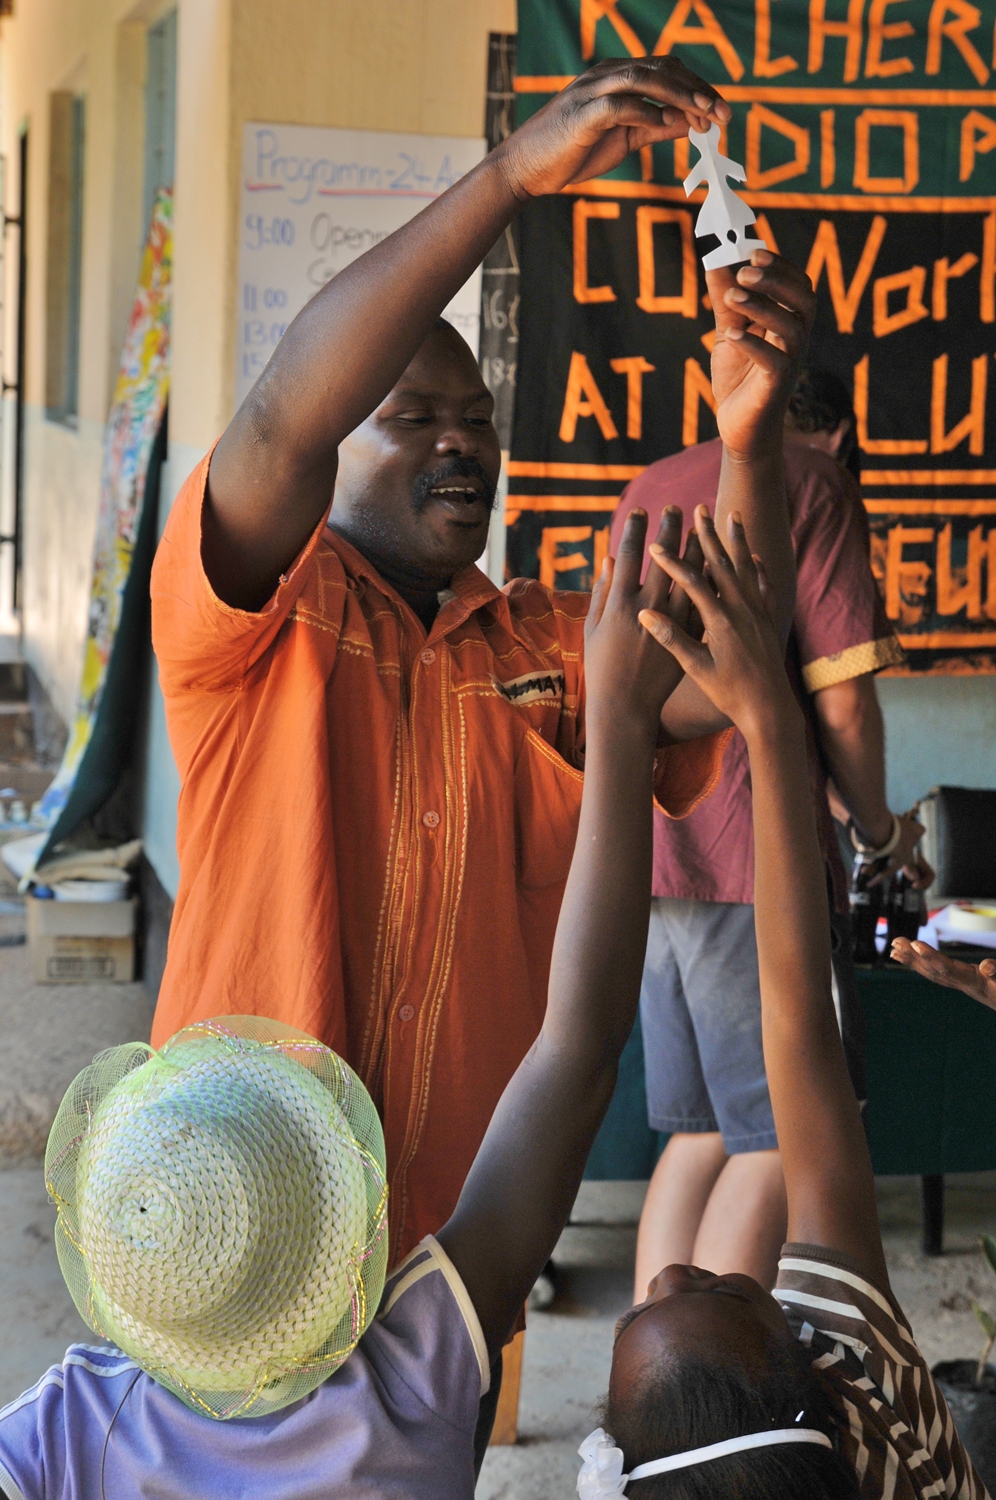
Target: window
column 160, row 112
column 65, row 247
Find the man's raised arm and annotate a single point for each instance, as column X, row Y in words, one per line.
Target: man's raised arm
column 273, row 472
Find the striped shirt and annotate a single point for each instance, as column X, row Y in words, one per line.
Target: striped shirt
column 895, row 1427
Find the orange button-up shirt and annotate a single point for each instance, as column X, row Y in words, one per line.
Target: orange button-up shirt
column 375, row 827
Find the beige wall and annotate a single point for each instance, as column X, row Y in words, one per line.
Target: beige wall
column 416, row 65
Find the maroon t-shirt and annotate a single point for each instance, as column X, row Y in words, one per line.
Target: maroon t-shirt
column 839, row 631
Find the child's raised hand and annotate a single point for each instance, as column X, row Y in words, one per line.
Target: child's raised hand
column 740, row 662
column 627, row 678
column 615, row 107
column 764, row 314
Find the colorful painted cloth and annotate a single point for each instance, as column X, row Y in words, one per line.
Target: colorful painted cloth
column 134, row 421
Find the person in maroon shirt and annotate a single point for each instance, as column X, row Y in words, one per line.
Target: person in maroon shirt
column 717, row 1197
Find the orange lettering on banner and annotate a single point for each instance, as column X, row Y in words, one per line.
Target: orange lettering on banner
column 584, row 399
column 820, row 28
column 799, row 136
column 967, row 18
column 991, row 585
column 912, row 282
column 593, row 11
column 766, row 233
column 943, row 273
column 987, row 272
column 862, row 147
column 877, row 445
column 634, row 367
column 584, row 210
column 978, row 135
column 684, row 302
column 960, row 588
column 902, row 577
column 879, row 31
column 826, row 252
column 766, row 66
column 708, row 33
column 828, row 153
column 973, row 424
column 550, row 564
column 698, row 387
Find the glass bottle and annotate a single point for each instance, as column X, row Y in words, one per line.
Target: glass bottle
column 867, row 905
column 907, row 909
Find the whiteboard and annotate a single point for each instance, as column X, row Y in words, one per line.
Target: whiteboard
column 312, row 201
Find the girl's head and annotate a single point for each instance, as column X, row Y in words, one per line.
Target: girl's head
column 223, row 1210
column 707, row 1358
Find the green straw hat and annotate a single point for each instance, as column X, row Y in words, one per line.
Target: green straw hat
column 222, row 1210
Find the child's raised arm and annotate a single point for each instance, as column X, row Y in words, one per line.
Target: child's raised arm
column 739, row 664
column 520, row 1189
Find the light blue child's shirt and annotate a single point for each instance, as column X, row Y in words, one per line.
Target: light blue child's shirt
column 395, row 1422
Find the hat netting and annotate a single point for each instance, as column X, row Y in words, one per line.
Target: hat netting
column 222, row 1210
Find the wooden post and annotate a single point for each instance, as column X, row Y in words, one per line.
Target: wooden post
column 506, row 1428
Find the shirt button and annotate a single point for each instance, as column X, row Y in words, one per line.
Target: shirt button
column 428, row 656
column 431, row 819
column 406, row 1012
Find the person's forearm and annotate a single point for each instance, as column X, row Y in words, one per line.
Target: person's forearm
column 348, row 345
column 852, row 736
column 755, row 486
column 273, row 472
column 597, row 965
column 830, row 1193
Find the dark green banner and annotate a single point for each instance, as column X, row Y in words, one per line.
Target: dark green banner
column 868, row 132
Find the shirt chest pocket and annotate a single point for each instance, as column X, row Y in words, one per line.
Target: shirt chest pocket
column 547, row 806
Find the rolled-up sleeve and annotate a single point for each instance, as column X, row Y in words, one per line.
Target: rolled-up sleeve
column 840, row 621
column 199, row 640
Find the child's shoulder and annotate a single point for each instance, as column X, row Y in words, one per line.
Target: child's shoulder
column 894, row 1426
column 427, row 1311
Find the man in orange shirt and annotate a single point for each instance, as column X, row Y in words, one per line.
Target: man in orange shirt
column 380, row 751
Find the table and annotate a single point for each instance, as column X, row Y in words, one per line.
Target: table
column 931, row 1092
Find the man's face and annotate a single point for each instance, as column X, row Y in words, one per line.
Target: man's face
column 416, row 480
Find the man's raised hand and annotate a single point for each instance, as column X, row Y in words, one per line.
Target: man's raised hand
column 739, row 663
column 614, row 108
column 764, row 313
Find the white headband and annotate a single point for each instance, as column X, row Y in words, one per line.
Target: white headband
column 602, row 1478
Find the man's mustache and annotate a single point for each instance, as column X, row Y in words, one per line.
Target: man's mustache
column 453, row 468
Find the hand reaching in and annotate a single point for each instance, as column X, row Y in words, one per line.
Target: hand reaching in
column 627, row 677
column 740, row 662
column 614, row 108
column 977, row 981
column 764, row 314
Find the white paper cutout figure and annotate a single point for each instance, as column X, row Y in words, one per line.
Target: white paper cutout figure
column 724, row 213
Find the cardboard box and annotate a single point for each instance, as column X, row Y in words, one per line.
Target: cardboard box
column 81, row 942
